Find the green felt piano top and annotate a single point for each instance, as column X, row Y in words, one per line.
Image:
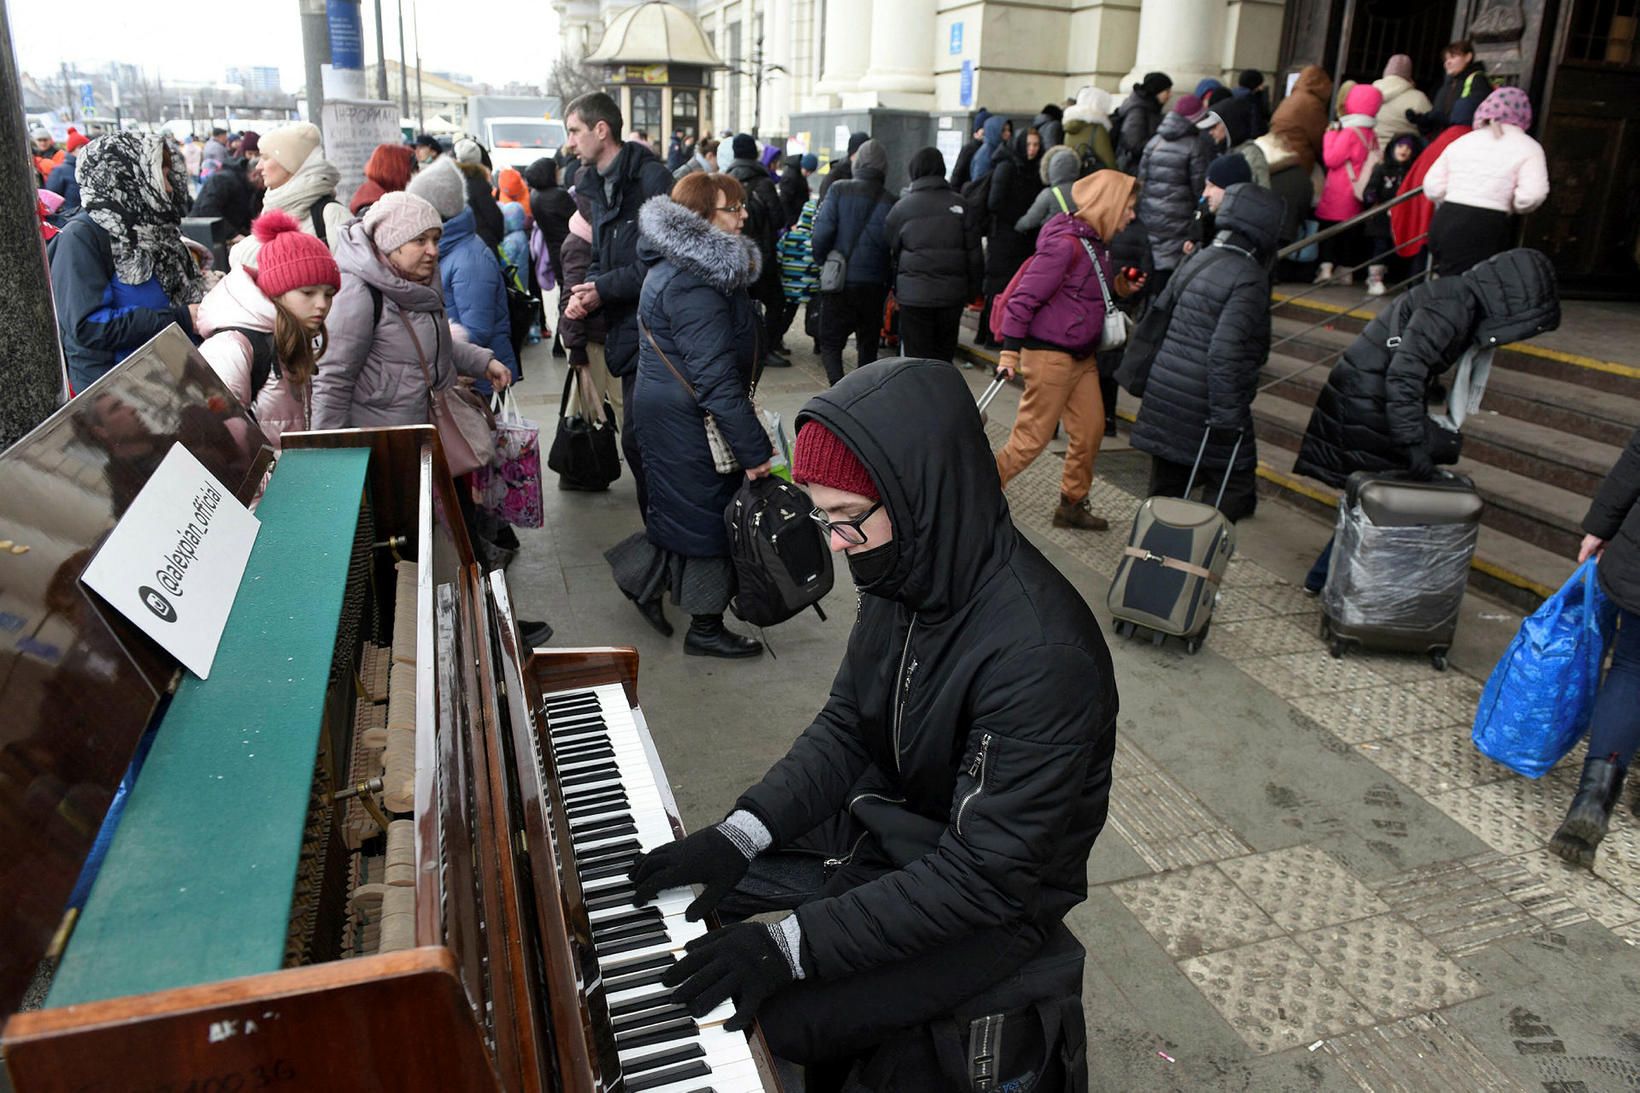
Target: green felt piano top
column 197, row 883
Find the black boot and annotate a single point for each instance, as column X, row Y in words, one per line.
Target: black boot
column 708, row 637
column 1585, row 823
column 534, row 633
column 654, row 613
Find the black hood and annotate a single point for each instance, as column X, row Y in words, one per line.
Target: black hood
column 914, row 425
column 1255, row 214
column 1518, row 294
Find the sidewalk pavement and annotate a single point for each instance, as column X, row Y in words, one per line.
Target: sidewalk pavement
column 1309, row 879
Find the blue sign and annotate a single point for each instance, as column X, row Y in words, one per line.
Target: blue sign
column 966, row 94
column 346, row 34
column 956, row 39
column 87, row 100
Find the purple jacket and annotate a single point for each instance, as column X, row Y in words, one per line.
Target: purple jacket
column 1057, row 300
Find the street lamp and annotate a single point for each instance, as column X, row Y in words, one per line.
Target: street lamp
column 758, row 73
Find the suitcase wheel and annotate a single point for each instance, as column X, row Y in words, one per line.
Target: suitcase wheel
column 1438, row 659
column 1336, row 649
column 1157, row 638
column 1123, row 628
column 1193, row 645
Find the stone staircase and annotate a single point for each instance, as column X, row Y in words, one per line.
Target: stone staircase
column 1550, row 426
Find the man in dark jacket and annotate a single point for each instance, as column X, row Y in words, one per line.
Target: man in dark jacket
column 1206, row 370
column 962, row 172
column 229, row 194
column 618, row 176
column 842, row 168
column 1246, row 114
column 935, row 244
column 1139, row 118
column 957, row 776
column 794, row 186
column 551, row 206
column 854, row 220
column 765, row 220
column 1172, row 174
column 1466, row 82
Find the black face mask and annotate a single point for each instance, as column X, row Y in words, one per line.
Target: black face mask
column 867, row 567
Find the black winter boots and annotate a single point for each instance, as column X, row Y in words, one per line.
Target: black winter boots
column 708, row 637
column 1585, row 823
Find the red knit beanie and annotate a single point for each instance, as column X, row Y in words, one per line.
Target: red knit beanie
column 290, row 258
column 76, row 140
column 824, row 460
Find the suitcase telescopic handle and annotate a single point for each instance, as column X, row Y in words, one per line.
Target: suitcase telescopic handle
column 1223, row 482
column 990, row 393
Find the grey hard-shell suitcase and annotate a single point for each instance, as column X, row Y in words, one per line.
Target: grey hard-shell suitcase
column 1400, row 564
column 1168, row 578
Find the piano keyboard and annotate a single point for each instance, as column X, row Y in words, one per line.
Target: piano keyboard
column 616, row 811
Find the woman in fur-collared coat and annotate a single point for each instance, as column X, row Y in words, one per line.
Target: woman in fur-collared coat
column 697, row 345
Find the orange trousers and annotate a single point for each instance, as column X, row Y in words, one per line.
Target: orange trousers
column 1058, row 387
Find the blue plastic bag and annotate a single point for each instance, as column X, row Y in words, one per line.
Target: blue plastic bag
column 1541, row 695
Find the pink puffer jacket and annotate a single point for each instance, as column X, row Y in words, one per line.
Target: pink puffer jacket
column 236, row 302
column 1344, row 151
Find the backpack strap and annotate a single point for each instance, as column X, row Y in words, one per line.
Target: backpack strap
column 263, row 358
column 1059, row 197
column 375, row 305
column 316, row 213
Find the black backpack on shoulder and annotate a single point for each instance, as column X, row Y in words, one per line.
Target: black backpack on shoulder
column 782, row 563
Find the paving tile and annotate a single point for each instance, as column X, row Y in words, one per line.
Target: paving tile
column 1275, row 995
column 1463, row 910
column 1244, row 573
column 1400, row 667
column 1275, row 636
column 1302, row 888
column 1453, row 693
column 1629, row 933
column 1481, row 813
column 1239, row 605
column 1551, row 907
column 1164, row 822
column 1194, row 911
column 1372, row 713
column 1421, row 1054
column 1304, row 675
column 1390, row 967
column 1435, row 762
column 1603, row 902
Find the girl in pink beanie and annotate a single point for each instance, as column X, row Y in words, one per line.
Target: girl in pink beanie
column 265, row 325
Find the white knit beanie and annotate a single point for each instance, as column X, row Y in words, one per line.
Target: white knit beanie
column 468, row 151
column 398, row 217
column 442, row 185
column 290, row 145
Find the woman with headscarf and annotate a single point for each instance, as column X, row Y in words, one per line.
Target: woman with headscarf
column 1016, row 182
column 1483, row 181
column 1051, row 327
column 120, row 272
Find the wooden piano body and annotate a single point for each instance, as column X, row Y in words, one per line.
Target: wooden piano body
column 246, row 928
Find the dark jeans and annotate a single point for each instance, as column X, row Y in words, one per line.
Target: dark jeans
column 857, row 310
column 629, row 441
column 1614, row 729
column 1240, row 494
column 1317, row 578
column 818, row 1021
column 1342, row 250
column 787, row 313
column 930, row 332
column 767, row 291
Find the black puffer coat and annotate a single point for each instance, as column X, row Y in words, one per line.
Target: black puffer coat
column 1207, row 367
column 971, row 724
column 935, row 243
column 1015, row 182
column 695, row 304
column 1140, row 116
column 794, row 192
column 1615, row 517
column 619, row 275
column 853, row 218
column 1172, row 173
column 1375, row 404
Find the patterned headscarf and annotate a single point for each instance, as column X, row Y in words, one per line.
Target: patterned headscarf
column 122, row 186
column 1507, row 105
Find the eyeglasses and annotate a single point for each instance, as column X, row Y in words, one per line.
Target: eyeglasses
column 847, row 530
column 731, row 208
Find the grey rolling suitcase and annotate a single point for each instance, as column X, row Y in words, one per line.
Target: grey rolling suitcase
column 1400, row 564
column 1169, row 575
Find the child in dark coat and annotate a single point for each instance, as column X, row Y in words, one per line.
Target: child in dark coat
column 1382, row 186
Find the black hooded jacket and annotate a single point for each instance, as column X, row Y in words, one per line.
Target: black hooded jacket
column 1375, row 403
column 936, row 245
column 551, row 207
column 1207, row 367
column 971, row 724
column 637, row 175
column 1614, row 516
column 794, row 192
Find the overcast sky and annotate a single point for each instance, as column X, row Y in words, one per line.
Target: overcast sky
column 486, row 39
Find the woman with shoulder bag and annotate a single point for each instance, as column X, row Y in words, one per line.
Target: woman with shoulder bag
column 1059, row 315
column 697, row 345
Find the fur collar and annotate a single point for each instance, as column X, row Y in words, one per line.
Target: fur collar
column 726, row 262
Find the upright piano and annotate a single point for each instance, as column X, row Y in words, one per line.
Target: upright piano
column 382, row 846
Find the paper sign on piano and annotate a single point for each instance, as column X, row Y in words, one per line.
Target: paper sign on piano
column 172, row 564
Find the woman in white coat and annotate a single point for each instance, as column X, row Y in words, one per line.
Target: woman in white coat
column 1483, row 181
column 1400, row 96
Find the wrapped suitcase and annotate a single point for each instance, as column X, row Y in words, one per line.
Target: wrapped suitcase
column 1168, row 578
column 1400, row 564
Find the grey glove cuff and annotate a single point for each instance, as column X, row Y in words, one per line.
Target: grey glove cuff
column 747, row 832
column 788, row 938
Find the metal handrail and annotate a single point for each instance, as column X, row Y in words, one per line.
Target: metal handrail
column 1347, row 271
column 1330, row 357
column 1345, row 225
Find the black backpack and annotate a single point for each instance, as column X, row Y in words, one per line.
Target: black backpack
column 782, row 563
column 263, row 360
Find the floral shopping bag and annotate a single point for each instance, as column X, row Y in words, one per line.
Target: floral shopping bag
column 510, row 488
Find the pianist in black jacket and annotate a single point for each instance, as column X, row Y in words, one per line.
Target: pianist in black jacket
column 938, row 814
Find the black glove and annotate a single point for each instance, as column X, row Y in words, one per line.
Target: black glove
column 706, row 857
column 1415, row 118
column 1419, row 465
column 741, row 961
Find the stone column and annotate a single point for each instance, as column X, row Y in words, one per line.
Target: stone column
column 902, row 53
column 1182, row 38
column 848, row 37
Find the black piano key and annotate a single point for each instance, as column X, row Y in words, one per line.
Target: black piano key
column 676, row 1029
column 618, row 867
column 631, row 964
column 652, row 933
column 603, row 772
column 669, row 1057
column 632, row 1022
column 637, row 979
column 667, row 1076
column 597, row 808
column 640, row 914
column 596, row 798
column 581, row 735
column 600, row 824
column 574, row 722
column 626, row 945
column 580, row 753
column 597, row 855
column 642, row 1002
column 614, row 897
column 582, row 838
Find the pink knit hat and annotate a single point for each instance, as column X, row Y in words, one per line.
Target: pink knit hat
column 1508, row 105
column 1399, row 65
column 397, row 218
column 289, row 257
